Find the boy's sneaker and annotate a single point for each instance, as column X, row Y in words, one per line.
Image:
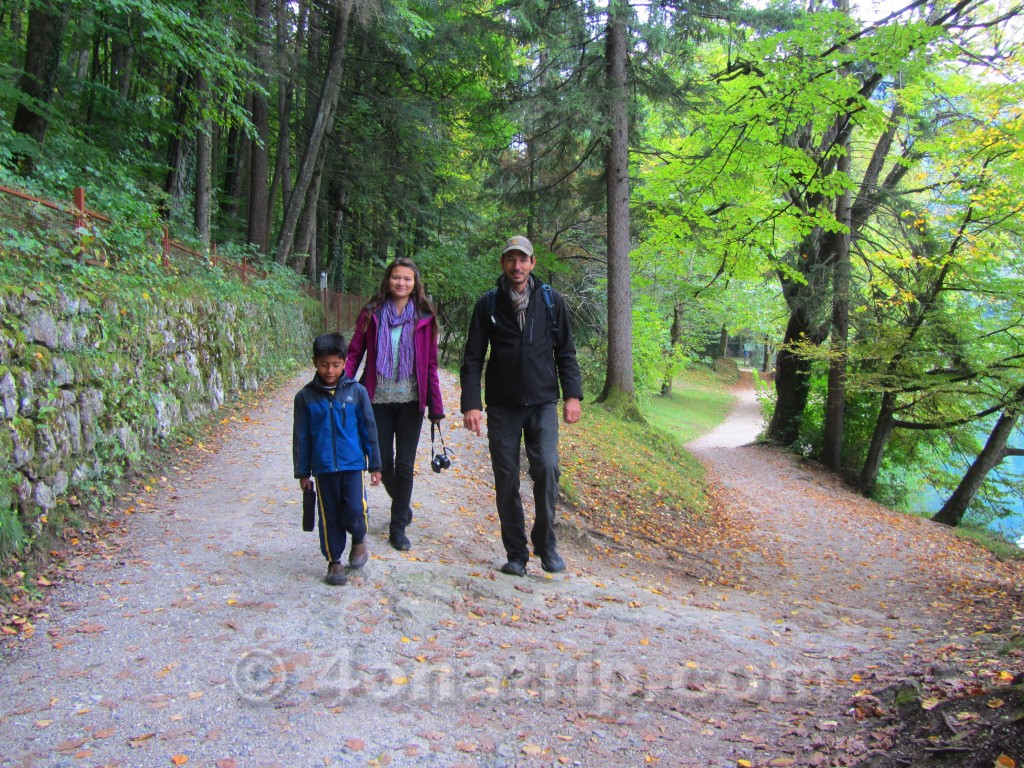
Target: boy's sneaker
column 358, row 556
column 336, row 575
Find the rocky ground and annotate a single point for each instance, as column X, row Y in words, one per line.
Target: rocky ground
column 195, row 628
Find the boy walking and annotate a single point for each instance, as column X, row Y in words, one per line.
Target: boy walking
column 334, row 440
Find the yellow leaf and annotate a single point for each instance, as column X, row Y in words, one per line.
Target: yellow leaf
column 43, row 723
column 691, row 664
column 644, row 641
column 744, row 763
column 532, row 749
column 179, row 759
column 1005, row 761
column 929, row 703
column 400, row 680
column 994, row 703
column 782, row 762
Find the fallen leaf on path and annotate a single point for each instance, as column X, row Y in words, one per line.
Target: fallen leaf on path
column 355, row 744
column 179, row 759
column 138, row 741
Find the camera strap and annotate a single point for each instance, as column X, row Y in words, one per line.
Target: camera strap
column 433, row 451
column 445, row 451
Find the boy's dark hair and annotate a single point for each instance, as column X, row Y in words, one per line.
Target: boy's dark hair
column 329, row 344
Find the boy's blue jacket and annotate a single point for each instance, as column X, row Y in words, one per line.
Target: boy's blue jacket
column 334, row 434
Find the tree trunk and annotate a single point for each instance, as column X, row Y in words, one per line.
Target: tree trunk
column 675, row 338
column 619, row 387
column 792, row 380
column 46, row 25
column 723, row 343
column 322, row 123
column 285, row 100
column 232, row 183
column 259, row 165
column 174, row 181
column 204, row 169
column 835, row 405
column 995, row 451
column 884, row 424
column 305, row 238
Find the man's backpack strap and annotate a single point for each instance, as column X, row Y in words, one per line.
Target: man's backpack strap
column 546, row 292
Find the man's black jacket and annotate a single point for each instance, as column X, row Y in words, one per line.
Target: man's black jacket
column 525, row 366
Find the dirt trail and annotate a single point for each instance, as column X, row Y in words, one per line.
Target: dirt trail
column 201, row 629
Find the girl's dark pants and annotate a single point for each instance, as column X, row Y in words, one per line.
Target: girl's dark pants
column 507, row 429
column 341, row 503
column 398, row 433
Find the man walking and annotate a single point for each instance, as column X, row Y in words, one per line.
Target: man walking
column 532, row 355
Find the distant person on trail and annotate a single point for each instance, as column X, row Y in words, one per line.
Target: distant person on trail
column 531, row 353
column 397, row 332
column 334, row 440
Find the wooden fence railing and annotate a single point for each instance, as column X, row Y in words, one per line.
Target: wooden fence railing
column 339, row 310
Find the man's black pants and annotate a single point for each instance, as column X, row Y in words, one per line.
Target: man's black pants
column 507, row 429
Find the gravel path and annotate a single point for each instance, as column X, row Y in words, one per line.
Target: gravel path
column 199, row 631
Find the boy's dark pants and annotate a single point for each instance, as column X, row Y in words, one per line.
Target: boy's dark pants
column 537, row 426
column 398, row 433
column 341, row 502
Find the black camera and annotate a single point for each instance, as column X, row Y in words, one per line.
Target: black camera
column 440, row 460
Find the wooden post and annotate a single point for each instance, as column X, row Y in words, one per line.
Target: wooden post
column 79, row 199
column 245, row 267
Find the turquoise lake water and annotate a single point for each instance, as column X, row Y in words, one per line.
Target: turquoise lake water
column 1011, row 527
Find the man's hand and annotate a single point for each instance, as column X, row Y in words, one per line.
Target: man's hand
column 471, row 420
column 571, row 410
column 306, row 483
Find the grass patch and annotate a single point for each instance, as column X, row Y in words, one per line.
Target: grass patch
column 993, row 542
column 699, row 402
column 633, row 480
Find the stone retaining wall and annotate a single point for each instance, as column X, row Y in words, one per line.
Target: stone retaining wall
column 89, row 383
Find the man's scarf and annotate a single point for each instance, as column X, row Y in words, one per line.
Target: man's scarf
column 519, row 303
column 385, row 355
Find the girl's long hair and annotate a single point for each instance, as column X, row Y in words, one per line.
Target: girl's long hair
column 418, row 297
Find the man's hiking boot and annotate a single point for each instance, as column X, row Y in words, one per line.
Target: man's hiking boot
column 514, row 568
column 400, row 541
column 552, row 562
